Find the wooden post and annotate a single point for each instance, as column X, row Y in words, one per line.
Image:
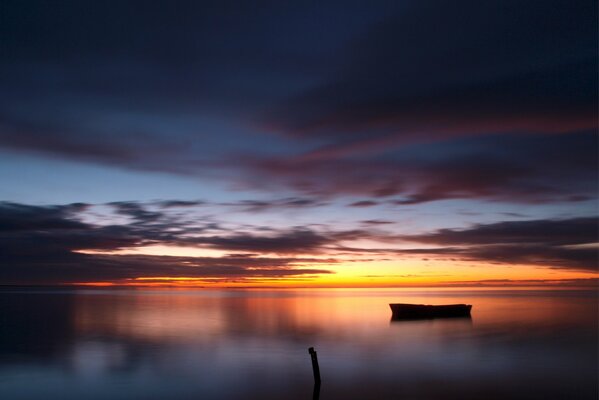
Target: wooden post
column 315, row 368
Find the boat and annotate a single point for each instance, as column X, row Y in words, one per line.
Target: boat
column 402, row 311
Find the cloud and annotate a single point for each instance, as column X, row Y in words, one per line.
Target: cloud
column 82, row 268
column 376, row 222
column 137, row 212
column 180, row 203
column 552, row 232
column 590, row 283
column 348, row 106
column 52, row 244
column 266, row 205
column 508, row 168
column 565, row 243
column 21, row 217
column 363, row 203
column 294, row 241
column 480, row 70
column 42, row 244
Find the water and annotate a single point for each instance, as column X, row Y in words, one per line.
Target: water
column 253, row 344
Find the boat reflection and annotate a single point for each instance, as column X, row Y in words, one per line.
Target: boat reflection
column 462, row 318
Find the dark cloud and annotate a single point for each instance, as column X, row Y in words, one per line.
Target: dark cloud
column 439, row 69
column 577, row 283
column 348, row 85
column 392, row 103
column 509, row 168
column 551, row 232
column 513, row 214
column 81, row 268
column 41, row 244
column 136, row 211
column 376, row 222
column 543, row 255
column 363, row 203
column 180, row 203
column 21, row 217
column 266, row 205
column 299, row 240
column 566, row 243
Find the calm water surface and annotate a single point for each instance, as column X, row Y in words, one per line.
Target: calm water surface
column 252, row 344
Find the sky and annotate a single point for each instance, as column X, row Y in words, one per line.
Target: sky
column 299, row 143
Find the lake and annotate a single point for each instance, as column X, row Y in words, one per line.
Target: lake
column 253, row 344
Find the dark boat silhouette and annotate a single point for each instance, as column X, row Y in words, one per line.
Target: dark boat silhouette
column 403, row 311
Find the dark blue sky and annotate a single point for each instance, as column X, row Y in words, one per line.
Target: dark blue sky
column 295, row 129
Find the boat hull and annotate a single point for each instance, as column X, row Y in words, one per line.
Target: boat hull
column 424, row 311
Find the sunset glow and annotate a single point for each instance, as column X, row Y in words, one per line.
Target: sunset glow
column 299, row 145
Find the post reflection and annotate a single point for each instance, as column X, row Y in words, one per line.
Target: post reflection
column 316, row 391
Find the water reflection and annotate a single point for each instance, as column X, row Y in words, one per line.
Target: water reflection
column 252, row 344
column 35, row 327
